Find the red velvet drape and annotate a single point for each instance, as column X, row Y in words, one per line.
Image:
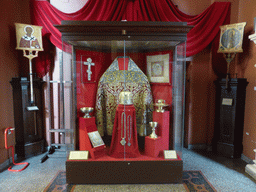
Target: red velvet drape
column 206, row 25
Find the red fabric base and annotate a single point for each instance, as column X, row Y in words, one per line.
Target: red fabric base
column 84, row 124
column 153, row 146
column 87, row 125
column 118, row 150
column 163, row 127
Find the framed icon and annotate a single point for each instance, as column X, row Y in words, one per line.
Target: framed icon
column 96, row 139
column 158, row 68
column 29, row 37
column 231, row 38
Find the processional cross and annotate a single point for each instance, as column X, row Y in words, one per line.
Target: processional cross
column 231, row 39
column 29, row 39
column 89, row 63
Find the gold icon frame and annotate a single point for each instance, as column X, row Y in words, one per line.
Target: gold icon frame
column 35, row 39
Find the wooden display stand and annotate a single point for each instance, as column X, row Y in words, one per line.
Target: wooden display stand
column 29, row 125
column 153, row 147
column 229, row 118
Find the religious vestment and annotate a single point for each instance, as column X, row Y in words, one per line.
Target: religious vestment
column 116, row 79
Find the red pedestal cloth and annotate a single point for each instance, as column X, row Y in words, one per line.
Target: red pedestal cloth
column 124, row 142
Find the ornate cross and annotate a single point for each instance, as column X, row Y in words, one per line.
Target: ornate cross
column 89, row 63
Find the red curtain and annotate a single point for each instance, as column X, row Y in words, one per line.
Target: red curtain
column 206, row 25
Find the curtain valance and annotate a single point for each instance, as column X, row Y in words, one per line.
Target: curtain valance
column 206, row 25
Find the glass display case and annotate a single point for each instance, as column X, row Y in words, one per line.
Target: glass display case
column 127, row 100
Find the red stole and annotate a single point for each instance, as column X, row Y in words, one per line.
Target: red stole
column 121, row 63
column 124, row 142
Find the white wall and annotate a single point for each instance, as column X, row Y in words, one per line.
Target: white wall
column 68, row 6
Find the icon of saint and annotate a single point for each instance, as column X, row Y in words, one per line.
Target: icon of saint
column 28, row 40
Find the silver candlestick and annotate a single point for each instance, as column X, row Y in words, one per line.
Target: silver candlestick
column 153, row 135
column 86, row 111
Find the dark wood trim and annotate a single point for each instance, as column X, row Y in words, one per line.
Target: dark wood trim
column 119, row 30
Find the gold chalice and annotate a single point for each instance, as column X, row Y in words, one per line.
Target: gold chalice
column 153, row 135
column 86, row 111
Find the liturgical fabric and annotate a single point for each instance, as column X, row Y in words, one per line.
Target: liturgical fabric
column 111, row 84
column 124, row 142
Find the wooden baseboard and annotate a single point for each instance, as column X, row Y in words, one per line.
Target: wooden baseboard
column 251, row 170
column 7, row 163
column 246, row 159
column 200, row 146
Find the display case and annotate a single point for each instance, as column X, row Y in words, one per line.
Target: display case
column 128, row 100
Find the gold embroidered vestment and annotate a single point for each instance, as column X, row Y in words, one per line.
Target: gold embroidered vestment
column 114, row 81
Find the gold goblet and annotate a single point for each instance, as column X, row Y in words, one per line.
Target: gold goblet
column 153, row 135
column 86, row 111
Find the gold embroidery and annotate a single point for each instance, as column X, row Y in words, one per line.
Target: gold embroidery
column 112, row 82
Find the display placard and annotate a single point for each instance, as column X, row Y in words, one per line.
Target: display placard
column 170, row 154
column 78, row 155
column 227, row 101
